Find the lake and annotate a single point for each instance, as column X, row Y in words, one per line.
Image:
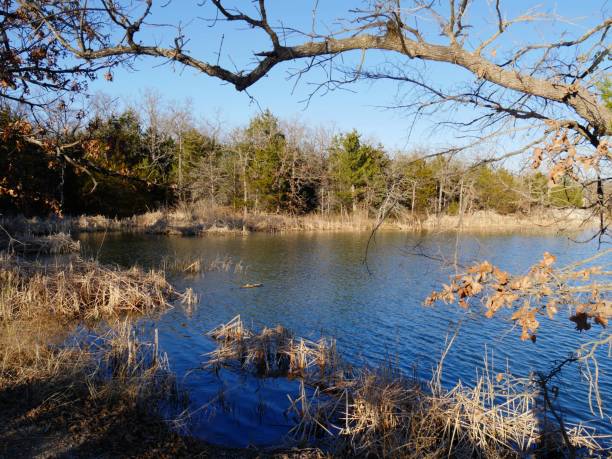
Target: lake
column 317, row 284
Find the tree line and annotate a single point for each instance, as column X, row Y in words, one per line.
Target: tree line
column 137, row 159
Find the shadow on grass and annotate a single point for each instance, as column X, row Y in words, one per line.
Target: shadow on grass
column 61, row 418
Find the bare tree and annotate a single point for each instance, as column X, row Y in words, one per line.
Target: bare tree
column 534, row 71
column 181, row 120
column 35, row 68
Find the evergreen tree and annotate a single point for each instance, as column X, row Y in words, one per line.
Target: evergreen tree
column 496, row 190
column 267, row 173
column 356, row 170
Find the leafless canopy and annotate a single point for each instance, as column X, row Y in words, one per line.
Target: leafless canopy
column 551, row 81
column 35, row 68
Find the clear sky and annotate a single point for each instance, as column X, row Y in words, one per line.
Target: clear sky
column 358, row 106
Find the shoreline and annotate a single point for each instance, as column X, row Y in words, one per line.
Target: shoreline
column 221, row 221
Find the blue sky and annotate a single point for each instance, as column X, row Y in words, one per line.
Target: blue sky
column 357, row 107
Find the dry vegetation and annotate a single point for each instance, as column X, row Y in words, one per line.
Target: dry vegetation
column 582, row 287
column 196, row 264
column 78, row 378
column 77, row 397
column 378, row 412
column 560, row 220
column 79, row 289
column 51, row 244
column 66, row 396
column 110, row 399
column 200, row 218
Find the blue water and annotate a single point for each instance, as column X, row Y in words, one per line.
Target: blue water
column 317, row 284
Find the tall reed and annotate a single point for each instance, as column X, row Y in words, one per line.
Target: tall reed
column 380, row 412
column 79, row 289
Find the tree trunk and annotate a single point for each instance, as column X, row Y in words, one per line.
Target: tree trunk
column 180, row 165
column 412, row 203
column 212, row 182
column 461, row 204
column 245, row 198
column 440, row 192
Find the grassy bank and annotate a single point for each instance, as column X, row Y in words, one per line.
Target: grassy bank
column 196, row 219
column 26, row 243
column 66, row 397
column 109, row 393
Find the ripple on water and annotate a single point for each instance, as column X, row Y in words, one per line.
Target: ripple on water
column 317, row 284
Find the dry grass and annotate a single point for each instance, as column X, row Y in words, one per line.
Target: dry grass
column 70, row 395
column 40, row 306
column 380, row 412
column 35, row 226
column 79, row 289
column 53, row 244
column 276, row 352
column 118, row 361
column 554, row 220
column 196, row 265
column 232, row 332
column 71, row 387
column 202, row 218
column 133, row 367
column 30, row 350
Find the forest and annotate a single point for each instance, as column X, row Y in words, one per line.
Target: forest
column 156, row 154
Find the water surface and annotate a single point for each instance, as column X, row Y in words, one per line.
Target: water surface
column 318, row 284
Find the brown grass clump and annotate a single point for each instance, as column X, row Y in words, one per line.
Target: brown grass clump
column 263, row 352
column 52, row 244
column 231, row 332
column 40, row 306
column 36, row 226
column 78, row 290
column 379, row 412
column 134, row 367
column 197, row 265
column 313, row 415
column 100, row 390
column 79, row 395
column 29, row 350
column 275, row 352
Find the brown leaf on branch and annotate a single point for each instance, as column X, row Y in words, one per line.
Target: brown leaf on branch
column 548, row 260
column 581, row 319
column 542, row 291
column 521, row 283
column 537, row 158
column 551, row 309
column 501, row 276
column 526, row 318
